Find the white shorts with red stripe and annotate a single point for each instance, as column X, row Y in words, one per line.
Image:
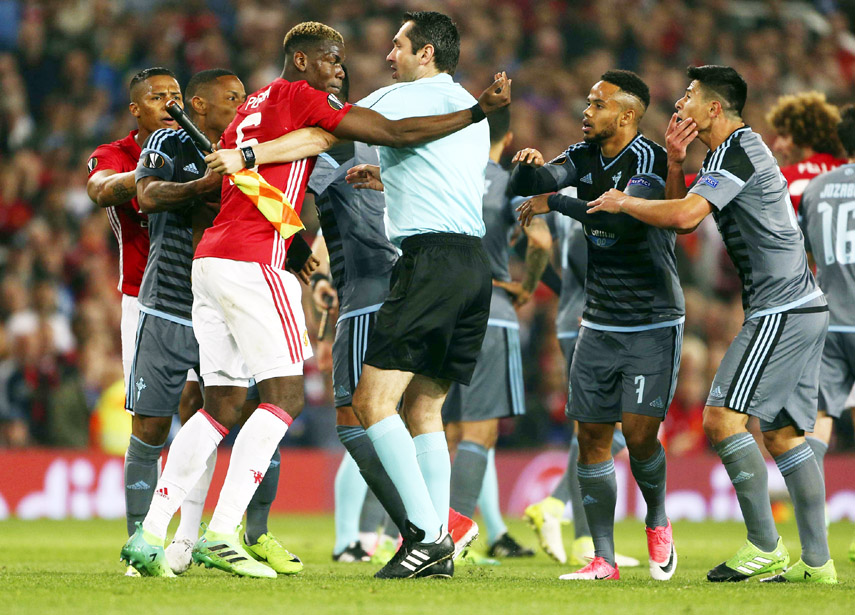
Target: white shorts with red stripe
column 249, row 322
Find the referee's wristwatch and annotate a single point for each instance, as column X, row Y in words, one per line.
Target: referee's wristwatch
column 248, row 157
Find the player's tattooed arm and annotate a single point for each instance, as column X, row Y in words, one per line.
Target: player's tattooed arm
column 108, row 188
column 538, row 249
column 296, row 145
column 368, row 126
column 155, row 194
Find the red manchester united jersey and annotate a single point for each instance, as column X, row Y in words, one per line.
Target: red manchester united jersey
column 240, row 232
column 129, row 225
column 798, row 175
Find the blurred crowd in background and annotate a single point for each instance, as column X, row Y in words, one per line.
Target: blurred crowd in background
column 64, row 70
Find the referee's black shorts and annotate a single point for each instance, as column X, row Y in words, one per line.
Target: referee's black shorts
column 434, row 319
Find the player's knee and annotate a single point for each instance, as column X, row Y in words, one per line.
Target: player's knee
column 345, row 416
column 153, row 430
column 641, row 445
column 715, row 425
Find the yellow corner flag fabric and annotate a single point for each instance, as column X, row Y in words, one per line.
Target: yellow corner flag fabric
column 270, row 201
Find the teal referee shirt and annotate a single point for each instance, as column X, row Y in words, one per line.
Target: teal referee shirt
column 437, row 187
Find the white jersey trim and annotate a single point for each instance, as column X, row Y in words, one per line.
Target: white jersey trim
column 789, row 306
column 635, row 329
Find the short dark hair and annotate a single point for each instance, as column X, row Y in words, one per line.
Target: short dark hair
column 432, row 28
column 846, row 129
column 500, row 124
column 630, row 83
column 148, row 73
column 204, row 77
column 344, row 92
column 724, row 83
column 308, row 32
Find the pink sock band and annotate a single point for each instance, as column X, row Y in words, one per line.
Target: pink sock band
column 277, row 412
column 220, row 429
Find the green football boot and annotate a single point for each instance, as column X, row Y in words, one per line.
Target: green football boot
column 385, row 551
column 224, row 551
column 470, row 557
column 802, row 573
column 749, row 562
column 269, row 549
column 144, row 553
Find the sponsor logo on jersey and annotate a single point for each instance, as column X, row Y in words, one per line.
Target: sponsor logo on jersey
column 600, row 238
column 153, row 160
column 710, row 181
column 334, row 102
column 191, row 168
column 93, row 162
column 587, row 179
column 639, row 181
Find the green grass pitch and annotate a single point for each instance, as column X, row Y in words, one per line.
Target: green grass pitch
column 59, row 567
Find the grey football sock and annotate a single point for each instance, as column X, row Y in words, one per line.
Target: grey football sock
column 568, row 489
column 650, row 476
column 819, row 449
column 140, row 479
column 618, row 442
column 467, row 476
column 258, row 510
column 747, row 471
column 360, row 447
column 599, row 494
column 807, row 491
column 372, row 515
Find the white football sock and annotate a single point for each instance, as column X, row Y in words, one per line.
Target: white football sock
column 185, row 465
column 194, row 504
column 254, row 446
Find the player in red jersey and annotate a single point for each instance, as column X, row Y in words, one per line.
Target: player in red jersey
column 246, row 310
column 806, row 142
column 112, row 186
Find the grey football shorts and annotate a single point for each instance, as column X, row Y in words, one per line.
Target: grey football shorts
column 771, row 369
column 616, row 372
column 348, row 352
column 496, row 390
column 163, row 353
column 837, row 374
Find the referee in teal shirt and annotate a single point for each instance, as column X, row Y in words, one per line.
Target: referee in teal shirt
column 429, row 330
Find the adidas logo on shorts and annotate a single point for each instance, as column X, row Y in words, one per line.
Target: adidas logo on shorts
column 716, row 393
column 657, row 403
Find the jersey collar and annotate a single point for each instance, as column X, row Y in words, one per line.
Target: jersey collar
column 616, row 158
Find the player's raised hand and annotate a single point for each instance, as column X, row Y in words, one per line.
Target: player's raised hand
column 535, row 206
column 610, row 202
column 365, row 177
column 529, row 157
column 225, row 161
column 497, row 95
column 678, row 135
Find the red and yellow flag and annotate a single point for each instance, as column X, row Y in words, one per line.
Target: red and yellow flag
column 270, row 201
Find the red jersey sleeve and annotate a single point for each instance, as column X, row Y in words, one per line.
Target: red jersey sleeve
column 106, row 157
column 311, row 107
